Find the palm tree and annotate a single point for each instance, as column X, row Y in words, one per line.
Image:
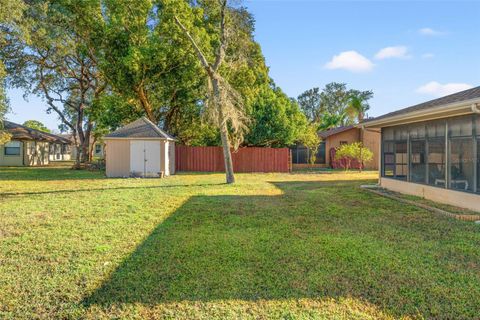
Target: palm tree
column 358, row 104
column 330, row 121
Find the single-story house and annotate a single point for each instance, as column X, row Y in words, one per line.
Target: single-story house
column 139, row 149
column 332, row 139
column 69, row 152
column 432, row 149
column 27, row 146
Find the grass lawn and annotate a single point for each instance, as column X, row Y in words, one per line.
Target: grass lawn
column 300, row 246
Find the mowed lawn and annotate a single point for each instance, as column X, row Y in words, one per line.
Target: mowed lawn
column 274, row 246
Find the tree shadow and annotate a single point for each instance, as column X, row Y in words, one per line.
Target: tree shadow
column 339, row 243
column 48, row 173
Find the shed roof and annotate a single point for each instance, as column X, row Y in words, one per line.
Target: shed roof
column 458, row 97
column 141, row 128
column 20, row 132
column 330, row 132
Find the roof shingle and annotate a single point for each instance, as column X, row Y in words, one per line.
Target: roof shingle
column 465, row 95
column 141, row 128
column 20, row 132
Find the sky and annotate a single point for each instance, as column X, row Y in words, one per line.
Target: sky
column 407, row 52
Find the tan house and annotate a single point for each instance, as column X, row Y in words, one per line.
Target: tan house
column 432, row 149
column 332, row 139
column 27, row 146
column 139, row 149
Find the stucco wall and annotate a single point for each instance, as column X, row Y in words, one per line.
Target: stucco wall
column 441, row 195
column 349, row 136
column 371, row 140
column 117, row 158
column 11, row 161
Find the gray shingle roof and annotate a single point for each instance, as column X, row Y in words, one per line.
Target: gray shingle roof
column 453, row 98
column 141, row 128
column 20, row 132
column 330, row 132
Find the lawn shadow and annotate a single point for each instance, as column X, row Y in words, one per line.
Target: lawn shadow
column 275, row 247
column 48, row 174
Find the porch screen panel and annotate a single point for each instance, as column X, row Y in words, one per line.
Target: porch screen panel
column 401, row 160
column 417, row 162
column 461, row 164
column 436, row 162
column 388, row 159
column 321, row 158
column 477, row 129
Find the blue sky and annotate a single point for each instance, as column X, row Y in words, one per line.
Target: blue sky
column 429, row 49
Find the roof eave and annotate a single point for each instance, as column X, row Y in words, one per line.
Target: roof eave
column 442, row 111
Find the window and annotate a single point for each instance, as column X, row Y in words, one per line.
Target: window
column 417, row 162
column 436, row 162
column 343, row 143
column 401, row 160
column 98, row 148
column 12, row 148
column 388, row 159
column 461, row 164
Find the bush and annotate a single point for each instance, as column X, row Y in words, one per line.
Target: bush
column 354, row 151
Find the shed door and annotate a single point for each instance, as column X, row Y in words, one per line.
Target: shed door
column 145, row 158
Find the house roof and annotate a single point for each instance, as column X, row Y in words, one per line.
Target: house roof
column 141, row 128
column 426, row 107
column 330, row 132
column 20, row 132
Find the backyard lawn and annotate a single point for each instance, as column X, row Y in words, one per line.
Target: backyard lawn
column 302, row 246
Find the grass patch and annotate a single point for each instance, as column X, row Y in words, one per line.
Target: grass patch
column 76, row 245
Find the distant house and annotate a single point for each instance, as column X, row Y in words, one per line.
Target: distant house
column 70, row 152
column 432, row 149
column 139, row 149
column 27, row 146
column 332, row 139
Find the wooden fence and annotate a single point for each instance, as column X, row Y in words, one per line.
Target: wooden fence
column 210, row 159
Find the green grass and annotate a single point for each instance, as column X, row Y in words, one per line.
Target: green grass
column 300, row 246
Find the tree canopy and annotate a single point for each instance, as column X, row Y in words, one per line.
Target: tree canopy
column 37, row 125
column 335, row 105
column 100, row 64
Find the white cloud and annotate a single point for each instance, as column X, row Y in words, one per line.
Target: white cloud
column 428, row 55
column 351, row 61
column 393, row 52
column 439, row 90
column 430, row 32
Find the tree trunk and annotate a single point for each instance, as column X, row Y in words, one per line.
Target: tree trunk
column 227, row 155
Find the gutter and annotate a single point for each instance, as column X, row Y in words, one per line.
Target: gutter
column 457, row 106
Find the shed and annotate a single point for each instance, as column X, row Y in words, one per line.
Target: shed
column 139, row 149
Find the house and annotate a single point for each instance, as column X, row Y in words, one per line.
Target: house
column 139, row 149
column 27, row 146
column 69, row 152
column 332, row 139
column 432, row 149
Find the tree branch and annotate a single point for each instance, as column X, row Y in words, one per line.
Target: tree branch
column 223, row 40
column 199, row 52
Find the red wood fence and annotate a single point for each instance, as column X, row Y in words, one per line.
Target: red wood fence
column 210, row 159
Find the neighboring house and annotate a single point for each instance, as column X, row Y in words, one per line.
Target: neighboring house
column 97, row 148
column 139, row 149
column 332, row 139
column 27, row 147
column 432, row 149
